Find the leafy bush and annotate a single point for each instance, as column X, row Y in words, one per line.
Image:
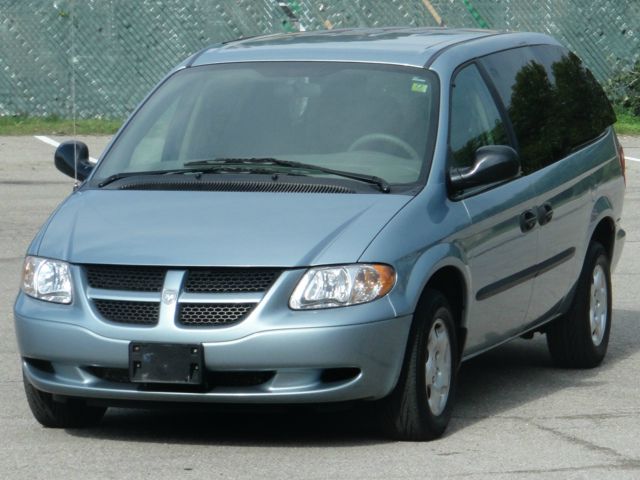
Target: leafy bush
column 624, row 90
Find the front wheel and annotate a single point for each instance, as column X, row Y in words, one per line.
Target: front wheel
column 73, row 413
column 580, row 338
column 420, row 406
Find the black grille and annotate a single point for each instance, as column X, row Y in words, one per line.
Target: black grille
column 117, row 375
column 230, row 280
column 137, row 313
column 213, row 314
column 213, row 378
column 114, row 277
column 238, row 379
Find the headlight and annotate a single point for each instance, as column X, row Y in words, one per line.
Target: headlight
column 48, row 280
column 339, row 286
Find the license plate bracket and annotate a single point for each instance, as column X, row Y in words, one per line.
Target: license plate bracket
column 168, row 363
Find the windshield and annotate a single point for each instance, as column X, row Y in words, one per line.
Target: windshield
column 360, row 118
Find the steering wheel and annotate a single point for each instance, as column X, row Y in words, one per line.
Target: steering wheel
column 383, row 137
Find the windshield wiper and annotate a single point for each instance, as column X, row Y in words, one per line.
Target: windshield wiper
column 380, row 182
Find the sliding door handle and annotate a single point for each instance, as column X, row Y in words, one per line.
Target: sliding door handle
column 545, row 214
column 528, row 220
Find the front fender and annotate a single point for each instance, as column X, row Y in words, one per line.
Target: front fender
column 416, row 273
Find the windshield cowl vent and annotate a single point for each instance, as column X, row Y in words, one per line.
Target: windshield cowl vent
column 234, row 186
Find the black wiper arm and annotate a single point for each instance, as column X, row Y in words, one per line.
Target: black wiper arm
column 380, row 182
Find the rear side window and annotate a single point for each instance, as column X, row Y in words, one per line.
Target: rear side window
column 554, row 102
column 475, row 119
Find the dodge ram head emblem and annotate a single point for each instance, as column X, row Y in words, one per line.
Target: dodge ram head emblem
column 169, row 296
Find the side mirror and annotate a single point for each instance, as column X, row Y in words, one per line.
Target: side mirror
column 65, row 159
column 492, row 164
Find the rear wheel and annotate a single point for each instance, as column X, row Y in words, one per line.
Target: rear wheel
column 420, row 406
column 72, row 413
column 580, row 338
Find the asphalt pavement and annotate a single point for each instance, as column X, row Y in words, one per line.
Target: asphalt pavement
column 516, row 416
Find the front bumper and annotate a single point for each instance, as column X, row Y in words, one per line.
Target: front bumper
column 67, row 356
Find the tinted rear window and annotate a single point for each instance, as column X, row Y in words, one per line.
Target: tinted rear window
column 554, row 102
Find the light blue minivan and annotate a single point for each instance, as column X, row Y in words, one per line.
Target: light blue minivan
column 329, row 217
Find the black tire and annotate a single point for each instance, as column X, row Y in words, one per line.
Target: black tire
column 72, row 413
column 571, row 338
column 406, row 413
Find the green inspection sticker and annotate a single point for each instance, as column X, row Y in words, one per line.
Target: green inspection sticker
column 419, row 85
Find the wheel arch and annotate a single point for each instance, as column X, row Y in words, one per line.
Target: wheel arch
column 604, row 233
column 443, row 268
column 451, row 282
column 603, row 225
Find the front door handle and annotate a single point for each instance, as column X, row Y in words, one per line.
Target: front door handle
column 545, row 214
column 528, row 220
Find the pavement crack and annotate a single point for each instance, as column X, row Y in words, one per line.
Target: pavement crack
column 597, row 416
column 542, row 471
column 529, row 418
column 623, row 460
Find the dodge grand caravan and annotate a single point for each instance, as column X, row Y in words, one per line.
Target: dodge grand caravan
column 329, row 217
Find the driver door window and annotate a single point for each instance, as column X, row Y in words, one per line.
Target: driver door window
column 475, row 119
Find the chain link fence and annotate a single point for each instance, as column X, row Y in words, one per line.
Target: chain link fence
column 97, row 58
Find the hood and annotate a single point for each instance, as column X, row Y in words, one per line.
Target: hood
column 179, row 228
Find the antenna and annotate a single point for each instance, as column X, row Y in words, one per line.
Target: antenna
column 73, row 91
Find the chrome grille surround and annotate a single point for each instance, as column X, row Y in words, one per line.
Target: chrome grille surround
column 215, row 297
